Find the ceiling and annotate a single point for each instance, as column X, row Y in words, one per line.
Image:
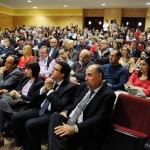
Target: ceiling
column 74, row 4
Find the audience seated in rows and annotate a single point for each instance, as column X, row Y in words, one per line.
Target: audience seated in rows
column 54, row 96
column 75, row 127
column 16, row 99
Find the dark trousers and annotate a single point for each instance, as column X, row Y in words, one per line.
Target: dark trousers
column 28, row 127
column 73, row 142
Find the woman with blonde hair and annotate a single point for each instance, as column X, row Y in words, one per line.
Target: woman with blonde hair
column 126, row 60
column 27, row 57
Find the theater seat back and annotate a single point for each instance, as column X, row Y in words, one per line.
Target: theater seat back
column 133, row 113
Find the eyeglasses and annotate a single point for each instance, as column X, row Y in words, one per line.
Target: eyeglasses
column 41, row 52
column 112, row 55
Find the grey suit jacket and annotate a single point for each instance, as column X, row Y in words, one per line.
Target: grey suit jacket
column 10, row 80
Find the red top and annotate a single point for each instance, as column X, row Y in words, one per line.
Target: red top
column 135, row 79
column 93, row 48
column 23, row 61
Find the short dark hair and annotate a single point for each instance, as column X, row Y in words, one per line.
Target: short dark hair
column 34, row 66
column 98, row 69
column 16, row 59
column 47, row 50
column 118, row 52
column 64, row 48
column 65, row 68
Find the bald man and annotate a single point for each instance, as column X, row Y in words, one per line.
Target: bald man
column 53, row 48
column 79, row 67
column 73, row 53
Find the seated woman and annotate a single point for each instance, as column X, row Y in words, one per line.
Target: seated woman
column 15, row 100
column 126, row 60
column 27, row 57
column 143, row 54
column 141, row 78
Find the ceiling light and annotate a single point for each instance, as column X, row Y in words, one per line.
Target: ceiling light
column 29, row 1
column 103, row 4
column 34, row 7
column 147, row 3
column 65, row 6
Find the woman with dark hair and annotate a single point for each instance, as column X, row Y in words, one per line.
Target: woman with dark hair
column 16, row 100
column 141, row 78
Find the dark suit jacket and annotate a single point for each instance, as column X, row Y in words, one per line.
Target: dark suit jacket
column 37, row 84
column 55, row 53
column 59, row 99
column 80, row 75
column 96, row 115
column 95, row 58
column 10, row 80
column 80, row 47
column 136, row 53
column 74, row 55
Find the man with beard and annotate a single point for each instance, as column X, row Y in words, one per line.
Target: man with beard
column 78, row 68
column 83, row 123
column 101, row 55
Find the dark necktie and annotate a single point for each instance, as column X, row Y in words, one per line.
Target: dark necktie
column 80, row 108
column 46, row 103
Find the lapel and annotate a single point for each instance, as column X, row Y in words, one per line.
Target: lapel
column 96, row 99
column 63, row 88
column 9, row 74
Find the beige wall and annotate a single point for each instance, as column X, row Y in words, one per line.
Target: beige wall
column 48, row 20
column 93, row 12
column 113, row 13
column 11, row 18
column 6, row 21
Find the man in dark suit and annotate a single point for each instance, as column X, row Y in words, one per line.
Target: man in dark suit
column 73, row 53
column 53, row 53
column 91, row 122
column 135, row 52
column 9, row 74
column 29, row 124
column 82, row 44
column 77, row 73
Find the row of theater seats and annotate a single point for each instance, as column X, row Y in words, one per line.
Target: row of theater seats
column 130, row 129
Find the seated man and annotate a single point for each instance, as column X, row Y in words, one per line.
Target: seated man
column 79, row 67
column 115, row 74
column 6, row 50
column 63, row 55
column 9, row 74
column 57, row 93
column 101, row 55
column 73, row 53
column 86, row 120
column 44, row 61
